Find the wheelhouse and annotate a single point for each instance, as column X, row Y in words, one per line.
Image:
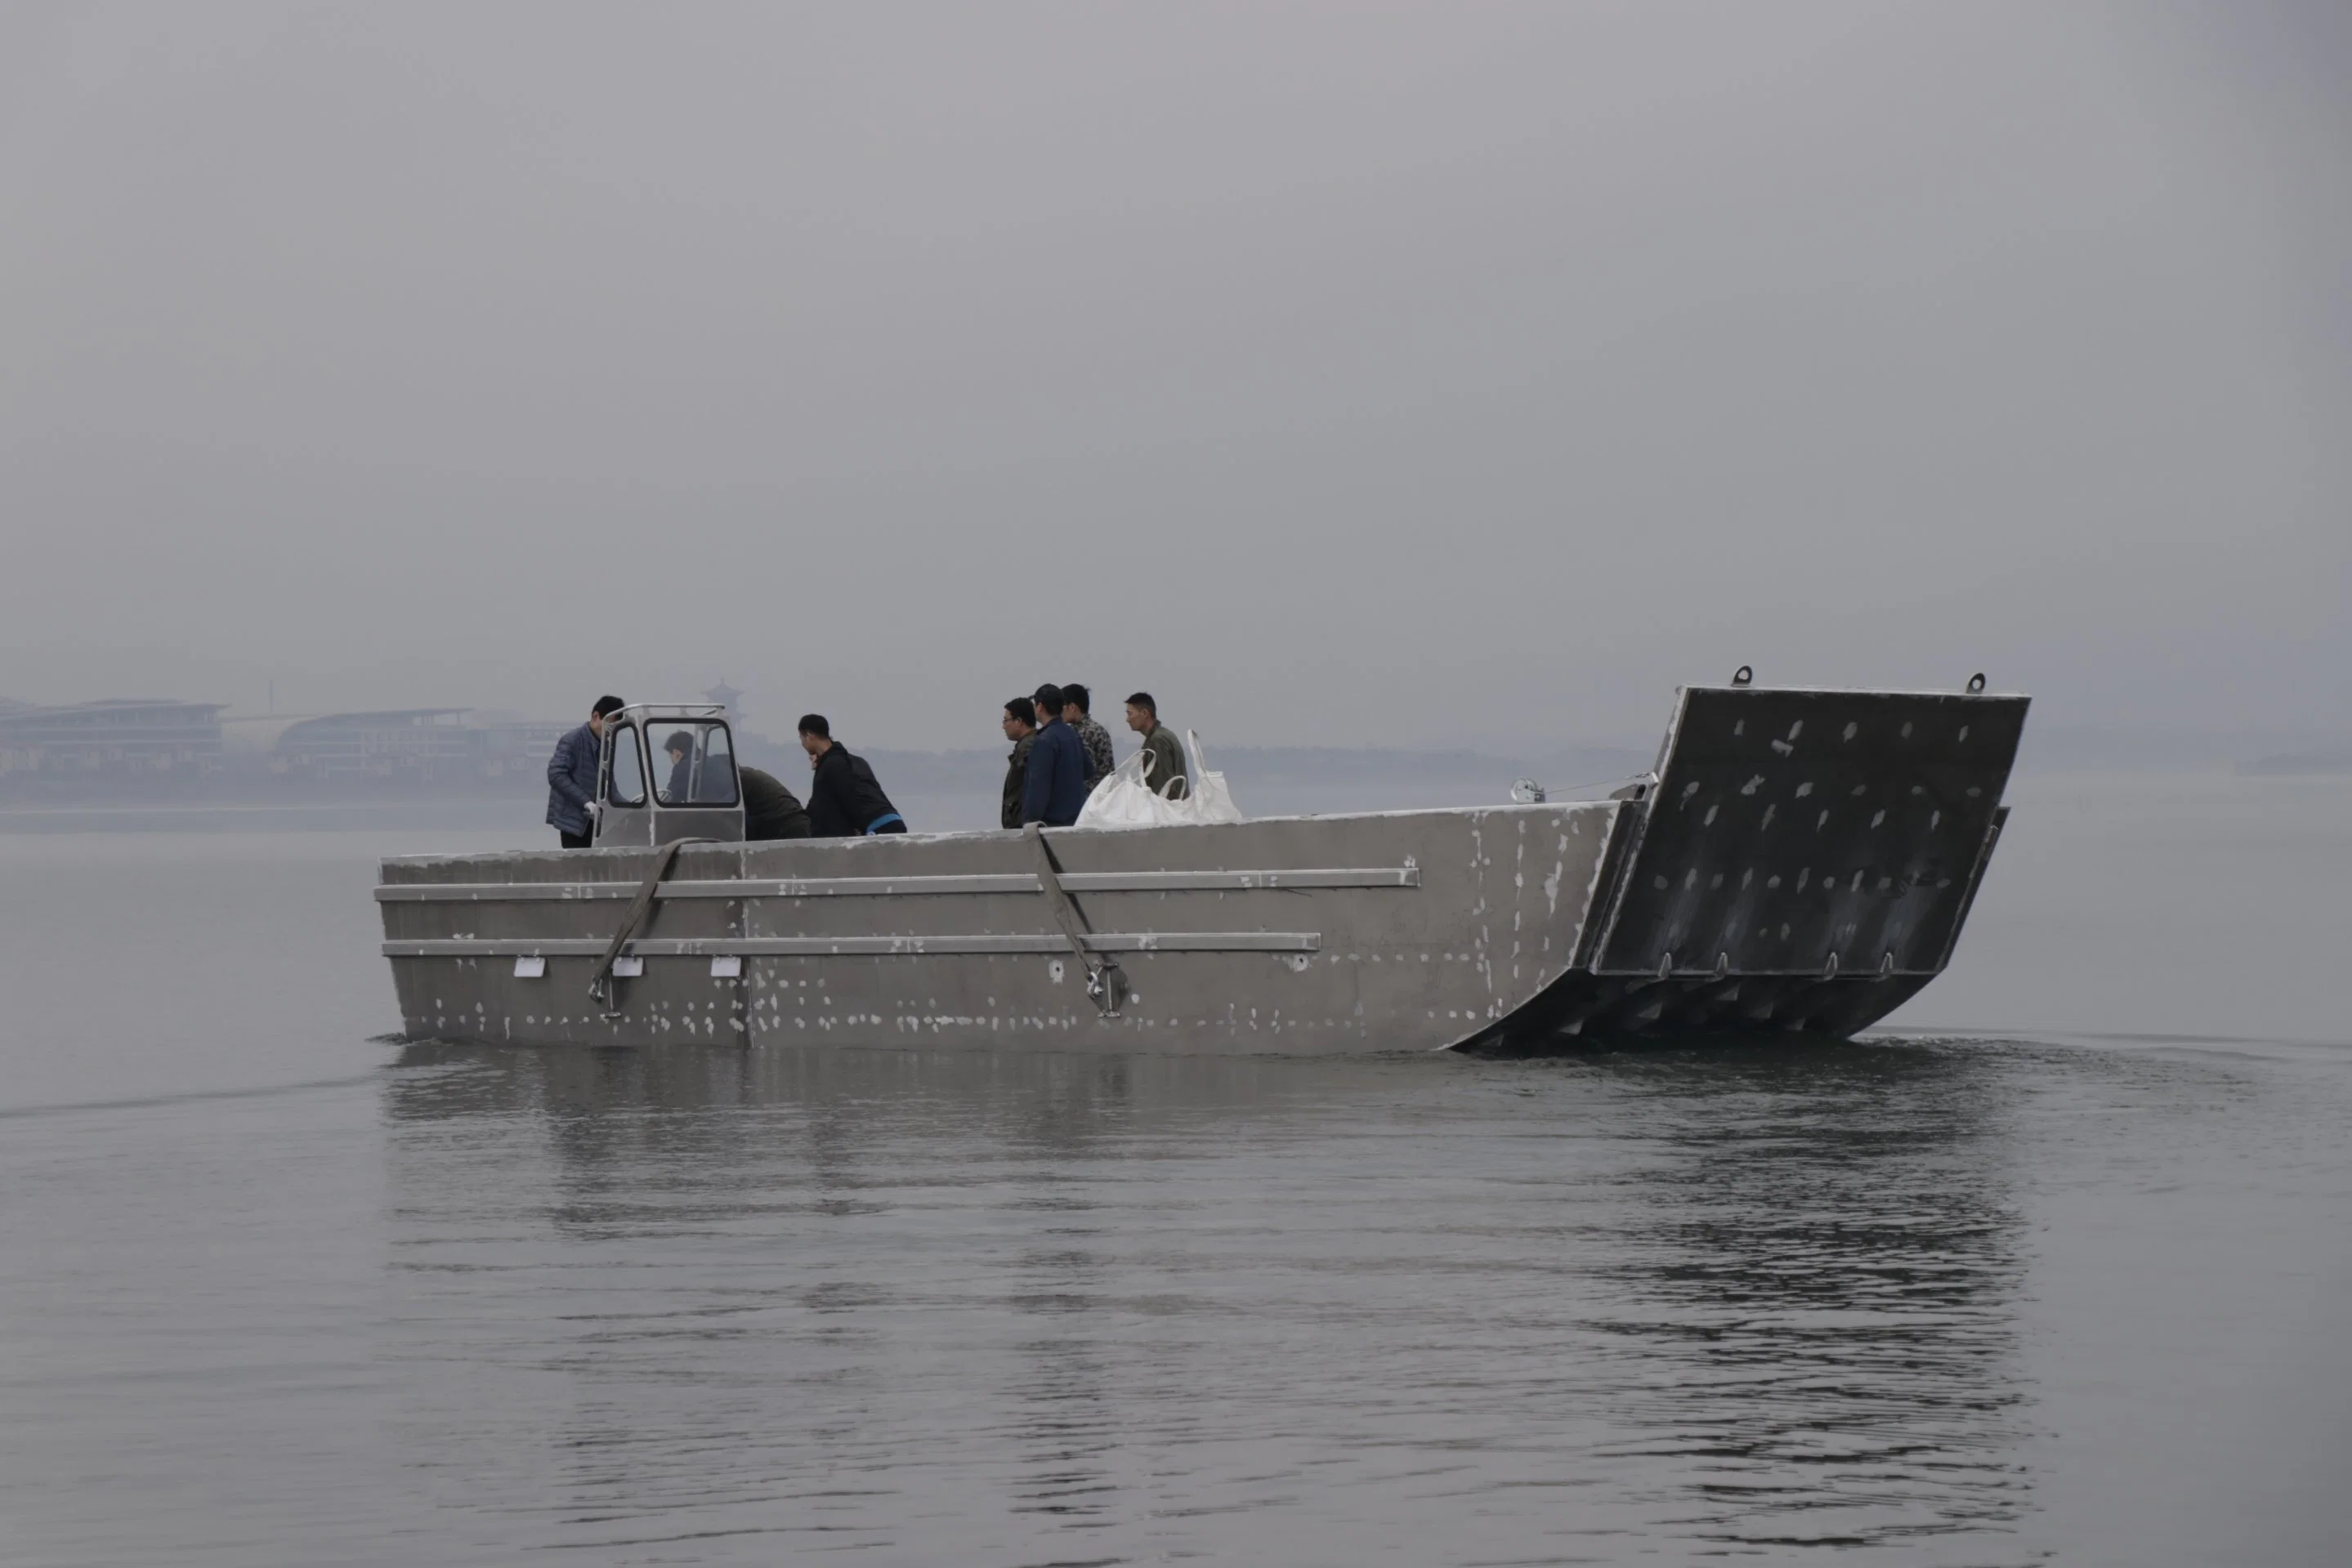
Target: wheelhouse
column 668, row 772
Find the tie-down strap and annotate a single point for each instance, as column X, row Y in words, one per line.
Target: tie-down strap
column 1105, row 981
column 600, row 984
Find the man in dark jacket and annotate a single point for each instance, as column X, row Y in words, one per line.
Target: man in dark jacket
column 1056, row 786
column 845, row 797
column 1020, row 729
column 1076, row 701
column 571, row 778
column 771, row 811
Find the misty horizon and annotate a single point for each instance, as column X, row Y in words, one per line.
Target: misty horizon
column 1364, row 378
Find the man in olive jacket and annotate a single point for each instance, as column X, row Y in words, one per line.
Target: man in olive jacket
column 1163, row 753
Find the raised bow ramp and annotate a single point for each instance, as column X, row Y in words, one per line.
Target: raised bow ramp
column 1803, row 861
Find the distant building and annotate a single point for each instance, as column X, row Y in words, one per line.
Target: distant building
column 425, row 746
column 418, row 745
column 117, row 738
column 144, row 748
column 509, row 745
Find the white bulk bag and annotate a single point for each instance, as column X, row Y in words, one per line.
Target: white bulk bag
column 1123, row 801
column 1208, row 799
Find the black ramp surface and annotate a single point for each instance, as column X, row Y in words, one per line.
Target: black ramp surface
column 1794, row 829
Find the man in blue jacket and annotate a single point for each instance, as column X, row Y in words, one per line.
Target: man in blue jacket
column 571, row 778
column 1056, row 785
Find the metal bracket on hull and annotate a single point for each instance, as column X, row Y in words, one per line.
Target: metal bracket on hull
column 1105, row 981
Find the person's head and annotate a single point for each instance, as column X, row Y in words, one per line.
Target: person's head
column 816, row 736
column 680, row 746
column 1142, row 713
column 1076, row 701
column 1049, row 703
column 1020, row 717
column 605, row 708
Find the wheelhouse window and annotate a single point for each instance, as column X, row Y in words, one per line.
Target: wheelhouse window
column 696, row 766
column 627, row 786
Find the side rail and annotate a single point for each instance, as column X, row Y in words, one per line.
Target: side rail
column 903, row 886
column 1812, row 832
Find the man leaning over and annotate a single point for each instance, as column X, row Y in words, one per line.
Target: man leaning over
column 846, row 799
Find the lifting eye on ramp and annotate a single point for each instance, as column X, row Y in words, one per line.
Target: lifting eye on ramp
column 1976, row 682
column 1742, row 675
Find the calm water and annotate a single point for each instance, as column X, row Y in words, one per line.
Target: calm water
column 271, row 1292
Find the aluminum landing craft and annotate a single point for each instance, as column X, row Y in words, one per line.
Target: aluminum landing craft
column 1802, row 861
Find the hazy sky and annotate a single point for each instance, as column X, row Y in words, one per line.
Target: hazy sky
column 1341, row 372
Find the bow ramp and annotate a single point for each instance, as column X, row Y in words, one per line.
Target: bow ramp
column 1804, row 861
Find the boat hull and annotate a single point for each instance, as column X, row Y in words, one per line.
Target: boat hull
column 1800, row 860
column 1412, row 931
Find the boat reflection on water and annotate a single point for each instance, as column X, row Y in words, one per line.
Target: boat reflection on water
column 1816, row 1283
column 974, row 1304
